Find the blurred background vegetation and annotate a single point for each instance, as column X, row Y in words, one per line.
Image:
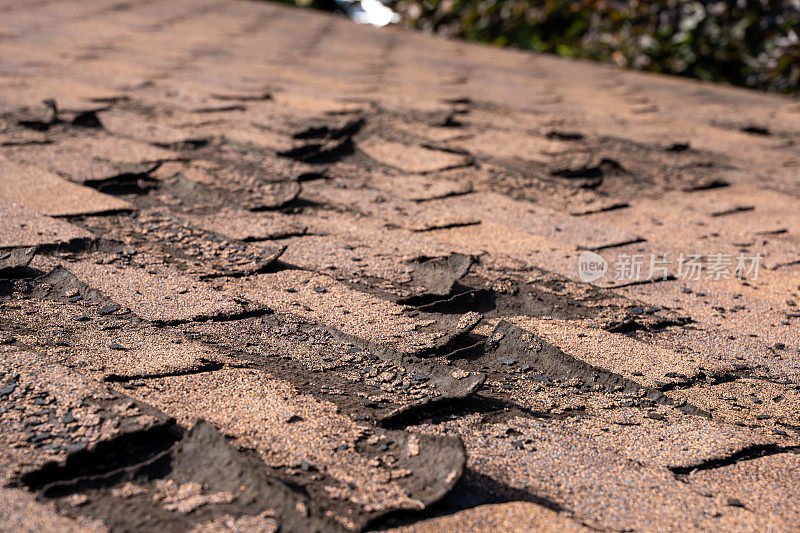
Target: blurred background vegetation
column 752, row 43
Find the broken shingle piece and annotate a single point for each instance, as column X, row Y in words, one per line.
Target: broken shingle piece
column 200, row 476
column 422, row 187
column 248, row 226
column 508, row 341
column 23, row 227
column 145, row 127
column 63, row 411
column 93, row 158
column 16, row 258
column 439, row 275
column 324, row 300
column 348, row 478
column 254, row 189
column 39, row 190
column 110, row 354
column 431, row 215
column 278, row 194
column 417, row 159
column 161, row 296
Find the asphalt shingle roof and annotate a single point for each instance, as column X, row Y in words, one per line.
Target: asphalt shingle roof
column 354, row 253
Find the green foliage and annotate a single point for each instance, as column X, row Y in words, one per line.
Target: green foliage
column 754, row 43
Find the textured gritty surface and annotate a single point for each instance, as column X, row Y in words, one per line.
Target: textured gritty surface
column 353, row 252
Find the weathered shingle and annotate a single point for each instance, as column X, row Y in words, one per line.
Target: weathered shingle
column 355, row 254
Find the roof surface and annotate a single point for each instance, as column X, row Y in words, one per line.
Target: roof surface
column 263, row 268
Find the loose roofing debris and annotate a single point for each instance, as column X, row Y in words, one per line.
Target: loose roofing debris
column 262, row 269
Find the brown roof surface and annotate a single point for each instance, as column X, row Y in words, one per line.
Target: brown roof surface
column 262, row 268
